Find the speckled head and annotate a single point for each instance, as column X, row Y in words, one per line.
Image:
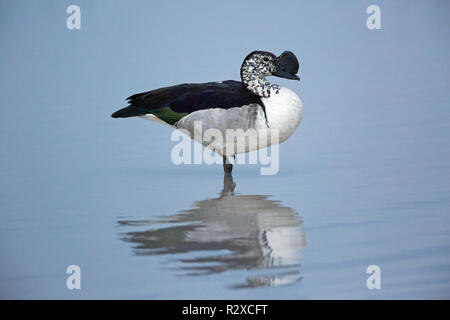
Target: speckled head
column 260, row 64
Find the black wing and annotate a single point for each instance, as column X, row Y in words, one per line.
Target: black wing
column 187, row 98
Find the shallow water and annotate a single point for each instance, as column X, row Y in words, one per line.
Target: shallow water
column 230, row 232
column 363, row 181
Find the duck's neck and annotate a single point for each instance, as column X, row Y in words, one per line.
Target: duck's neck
column 256, row 82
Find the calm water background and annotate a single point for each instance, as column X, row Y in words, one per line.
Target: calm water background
column 364, row 180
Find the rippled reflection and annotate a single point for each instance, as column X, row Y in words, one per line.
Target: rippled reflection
column 230, row 232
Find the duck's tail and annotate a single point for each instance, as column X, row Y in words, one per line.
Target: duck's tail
column 130, row 111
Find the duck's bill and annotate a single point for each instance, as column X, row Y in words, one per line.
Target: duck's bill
column 286, row 75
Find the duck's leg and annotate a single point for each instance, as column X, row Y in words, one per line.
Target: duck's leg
column 228, row 184
column 227, row 166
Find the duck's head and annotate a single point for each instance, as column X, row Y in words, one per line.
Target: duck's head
column 260, row 64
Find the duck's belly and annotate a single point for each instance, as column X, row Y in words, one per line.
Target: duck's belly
column 239, row 130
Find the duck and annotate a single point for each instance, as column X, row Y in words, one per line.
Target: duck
column 251, row 105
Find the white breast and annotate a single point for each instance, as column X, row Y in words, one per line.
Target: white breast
column 284, row 112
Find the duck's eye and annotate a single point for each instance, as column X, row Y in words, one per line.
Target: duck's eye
column 266, row 59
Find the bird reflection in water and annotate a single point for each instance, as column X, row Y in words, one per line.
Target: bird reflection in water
column 243, row 232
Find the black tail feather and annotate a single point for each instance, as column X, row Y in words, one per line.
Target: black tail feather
column 127, row 112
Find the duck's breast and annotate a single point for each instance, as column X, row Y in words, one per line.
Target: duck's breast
column 284, row 112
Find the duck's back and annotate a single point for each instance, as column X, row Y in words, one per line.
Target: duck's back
column 170, row 104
